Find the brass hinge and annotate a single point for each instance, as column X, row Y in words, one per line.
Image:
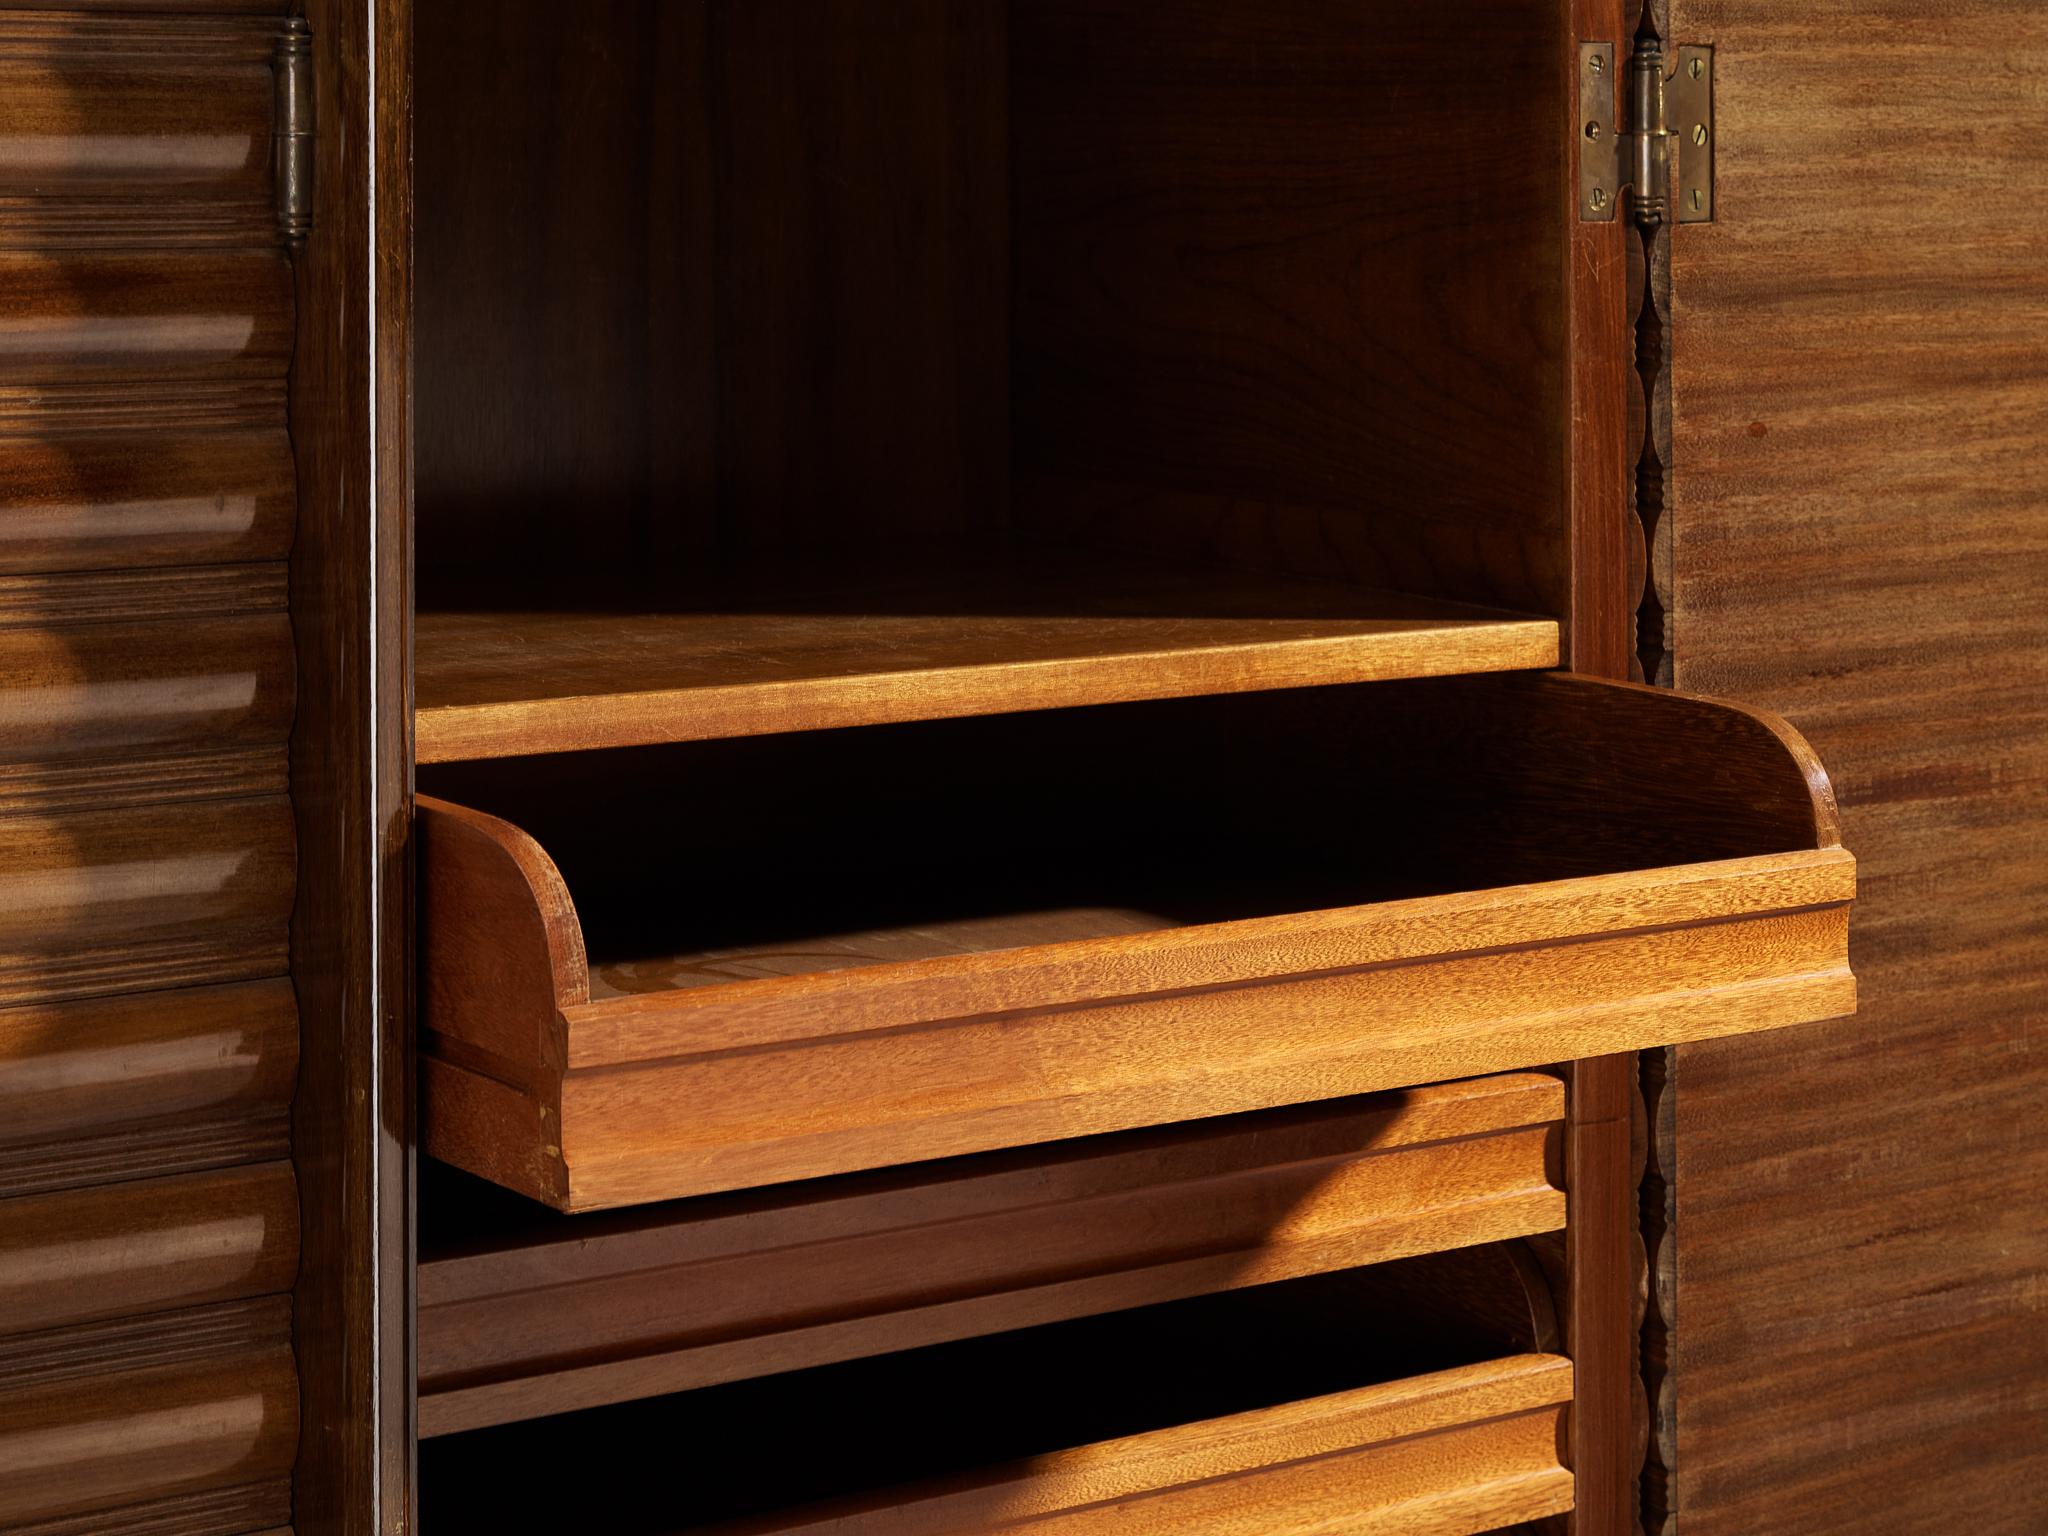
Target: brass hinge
column 1665, row 158
column 292, row 132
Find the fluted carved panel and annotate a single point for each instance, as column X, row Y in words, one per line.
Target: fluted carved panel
column 158, row 684
column 147, row 1245
column 263, row 1509
column 149, row 1217
column 66, row 411
column 145, row 1415
column 199, row 1054
column 145, row 318
column 115, row 126
column 119, row 501
column 110, row 901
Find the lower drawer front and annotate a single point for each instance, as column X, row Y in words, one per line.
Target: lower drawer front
column 1426, row 1393
column 523, row 1313
column 1452, row 1454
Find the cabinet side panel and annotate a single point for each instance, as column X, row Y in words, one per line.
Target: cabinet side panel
column 1861, row 542
column 351, row 771
column 149, row 1211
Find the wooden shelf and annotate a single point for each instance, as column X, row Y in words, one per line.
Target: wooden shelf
column 932, row 643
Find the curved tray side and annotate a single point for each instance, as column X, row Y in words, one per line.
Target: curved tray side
column 501, row 954
column 1553, row 774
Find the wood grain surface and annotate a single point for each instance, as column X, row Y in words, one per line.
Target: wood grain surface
column 113, row 501
column 149, row 1221
column 1862, row 1208
column 523, row 1314
column 1037, row 633
column 148, row 1245
column 69, row 1068
column 99, row 111
column 1600, row 1251
column 86, row 1446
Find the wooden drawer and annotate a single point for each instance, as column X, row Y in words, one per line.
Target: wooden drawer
column 1451, row 1454
column 523, row 1313
column 1271, row 1410
column 1460, row 878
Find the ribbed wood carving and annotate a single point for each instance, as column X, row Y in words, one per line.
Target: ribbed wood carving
column 149, row 1222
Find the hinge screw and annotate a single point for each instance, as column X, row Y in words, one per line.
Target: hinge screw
column 1597, row 64
column 1592, row 130
column 1699, row 200
column 1599, row 197
column 1699, row 69
column 1699, row 133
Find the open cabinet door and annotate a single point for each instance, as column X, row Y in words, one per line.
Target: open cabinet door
column 1857, row 535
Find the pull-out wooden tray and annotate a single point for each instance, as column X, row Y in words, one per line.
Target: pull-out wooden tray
column 1451, row 1454
column 522, row 1313
column 1213, row 907
column 1043, row 630
column 1421, row 1395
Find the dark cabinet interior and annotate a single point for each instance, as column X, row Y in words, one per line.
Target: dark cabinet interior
column 997, row 331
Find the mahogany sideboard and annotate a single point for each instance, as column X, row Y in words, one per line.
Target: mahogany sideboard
column 928, row 766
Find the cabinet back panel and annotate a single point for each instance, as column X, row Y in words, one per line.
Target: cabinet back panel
column 703, row 272
column 1290, row 285
column 1270, row 282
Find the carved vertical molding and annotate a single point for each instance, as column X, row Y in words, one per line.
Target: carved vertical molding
column 1659, row 1201
column 1653, row 463
column 1650, row 294
column 1655, row 643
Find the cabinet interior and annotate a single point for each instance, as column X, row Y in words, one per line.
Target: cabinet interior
column 856, row 363
column 965, row 324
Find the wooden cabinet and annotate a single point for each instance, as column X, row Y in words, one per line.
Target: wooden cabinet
column 1010, row 575
column 974, row 751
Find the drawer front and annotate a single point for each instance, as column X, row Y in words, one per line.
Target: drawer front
column 1453, row 1454
column 549, row 1317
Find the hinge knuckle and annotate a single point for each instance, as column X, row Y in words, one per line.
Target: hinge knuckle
column 1650, row 183
column 292, row 132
